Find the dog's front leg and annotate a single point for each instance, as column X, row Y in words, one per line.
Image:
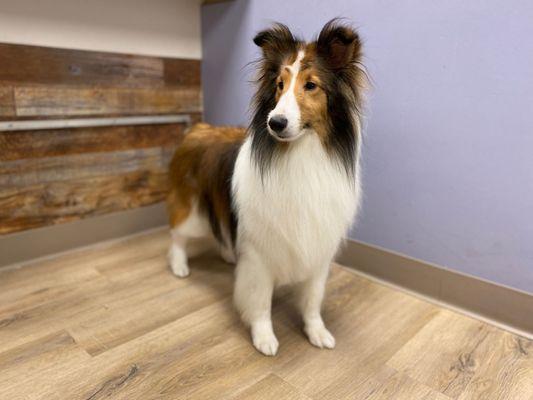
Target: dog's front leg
column 312, row 293
column 253, row 298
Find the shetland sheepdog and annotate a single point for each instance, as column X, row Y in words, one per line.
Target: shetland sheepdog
column 278, row 197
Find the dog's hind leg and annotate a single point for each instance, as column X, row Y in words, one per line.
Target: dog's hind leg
column 177, row 255
column 188, row 239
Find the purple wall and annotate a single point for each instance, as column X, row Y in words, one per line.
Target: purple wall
column 448, row 154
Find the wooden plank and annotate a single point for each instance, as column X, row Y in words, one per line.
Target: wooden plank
column 358, row 384
column 123, row 320
column 7, row 104
column 33, row 64
column 385, row 384
column 60, row 202
column 271, row 387
column 57, row 100
column 182, row 72
column 58, row 303
column 215, row 1
column 508, row 374
column 53, row 190
column 49, row 355
column 401, row 387
column 459, row 346
column 59, row 142
column 172, row 346
column 26, row 291
column 27, row 172
column 49, row 82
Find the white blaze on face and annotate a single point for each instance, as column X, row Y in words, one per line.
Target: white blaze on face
column 287, row 104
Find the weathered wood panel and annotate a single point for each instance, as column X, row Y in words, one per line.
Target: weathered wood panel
column 181, row 72
column 7, row 104
column 34, row 64
column 61, row 202
column 53, row 190
column 215, row 1
column 55, row 101
column 57, row 175
column 57, row 142
column 41, row 82
column 20, row 173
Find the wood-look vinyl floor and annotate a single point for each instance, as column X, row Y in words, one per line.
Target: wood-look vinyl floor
column 114, row 323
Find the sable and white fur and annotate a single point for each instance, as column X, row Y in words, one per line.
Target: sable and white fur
column 293, row 194
column 294, row 238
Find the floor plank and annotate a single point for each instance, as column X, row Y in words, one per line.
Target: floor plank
column 50, row 355
column 113, row 323
column 401, row 387
column 508, row 373
column 446, row 353
column 271, row 387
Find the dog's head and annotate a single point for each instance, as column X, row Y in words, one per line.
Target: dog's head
column 303, row 87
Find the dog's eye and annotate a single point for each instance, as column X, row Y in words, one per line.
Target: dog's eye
column 310, row 85
column 280, row 85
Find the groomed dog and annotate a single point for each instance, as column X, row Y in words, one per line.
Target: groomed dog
column 278, row 197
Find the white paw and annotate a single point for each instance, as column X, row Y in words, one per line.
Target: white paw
column 178, row 262
column 266, row 344
column 264, row 339
column 320, row 337
column 179, row 269
column 228, row 255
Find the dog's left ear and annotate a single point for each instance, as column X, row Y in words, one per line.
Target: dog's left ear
column 339, row 45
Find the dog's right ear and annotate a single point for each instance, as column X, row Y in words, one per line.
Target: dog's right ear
column 339, row 45
column 275, row 41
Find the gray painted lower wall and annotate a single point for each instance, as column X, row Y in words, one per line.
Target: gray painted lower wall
column 448, row 165
column 22, row 247
column 499, row 305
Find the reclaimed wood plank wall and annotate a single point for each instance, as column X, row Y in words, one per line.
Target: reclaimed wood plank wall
column 52, row 176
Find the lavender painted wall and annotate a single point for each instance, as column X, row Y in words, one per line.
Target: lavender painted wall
column 448, row 153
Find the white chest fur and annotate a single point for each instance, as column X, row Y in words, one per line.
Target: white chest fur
column 296, row 215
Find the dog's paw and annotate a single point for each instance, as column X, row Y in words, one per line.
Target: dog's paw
column 265, row 342
column 179, row 269
column 228, row 255
column 178, row 262
column 320, row 337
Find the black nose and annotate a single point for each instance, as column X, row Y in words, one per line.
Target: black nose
column 277, row 123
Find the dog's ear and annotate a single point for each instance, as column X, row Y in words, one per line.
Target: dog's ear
column 275, row 41
column 339, row 45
